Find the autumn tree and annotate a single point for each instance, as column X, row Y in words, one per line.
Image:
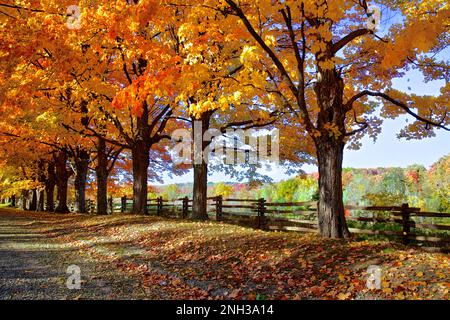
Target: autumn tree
column 209, row 100
column 223, row 189
column 99, row 71
column 137, row 68
column 324, row 63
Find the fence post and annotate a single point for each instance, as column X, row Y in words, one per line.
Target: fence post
column 406, row 223
column 184, row 213
column 123, row 204
column 219, row 200
column 261, row 211
column 110, row 205
column 159, row 206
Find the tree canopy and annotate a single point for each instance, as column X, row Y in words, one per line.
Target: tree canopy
column 101, row 85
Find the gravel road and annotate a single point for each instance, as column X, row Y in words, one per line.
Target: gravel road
column 34, row 265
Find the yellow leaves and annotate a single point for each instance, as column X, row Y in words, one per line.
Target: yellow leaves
column 237, row 96
column 248, row 55
column 223, row 103
column 419, row 35
column 326, row 64
column 196, row 109
column 324, row 32
column 270, row 40
column 48, row 118
column 185, row 31
column 419, row 274
column 193, row 58
column 343, row 296
column 333, row 129
column 134, row 26
column 317, row 47
column 387, row 290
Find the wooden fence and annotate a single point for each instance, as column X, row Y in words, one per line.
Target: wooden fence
column 409, row 224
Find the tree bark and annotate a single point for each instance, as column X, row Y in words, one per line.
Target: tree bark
column 62, row 178
column 40, row 200
column 199, row 207
column 13, row 201
column 31, row 200
column 140, row 154
column 330, row 150
column 23, row 200
column 50, row 183
column 101, row 172
column 200, row 191
column 40, row 191
column 81, row 170
column 332, row 223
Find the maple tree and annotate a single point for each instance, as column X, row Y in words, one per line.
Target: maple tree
column 138, row 67
column 324, row 66
column 93, row 76
column 210, row 97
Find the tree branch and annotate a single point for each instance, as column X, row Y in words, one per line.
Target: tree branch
column 400, row 104
column 349, row 38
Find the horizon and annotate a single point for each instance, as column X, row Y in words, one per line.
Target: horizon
column 213, row 179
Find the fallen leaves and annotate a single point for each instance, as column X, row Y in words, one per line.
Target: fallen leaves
column 190, row 260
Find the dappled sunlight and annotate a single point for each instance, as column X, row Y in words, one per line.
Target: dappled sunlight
column 216, row 260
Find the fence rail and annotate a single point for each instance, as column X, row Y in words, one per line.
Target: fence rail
column 409, row 224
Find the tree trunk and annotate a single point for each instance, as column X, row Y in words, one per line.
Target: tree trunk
column 23, row 200
column 200, row 191
column 40, row 191
column 332, row 223
column 199, row 207
column 31, row 200
column 81, row 167
column 62, row 178
column 140, row 155
column 13, row 201
column 50, row 183
column 330, row 151
column 40, row 200
column 101, row 172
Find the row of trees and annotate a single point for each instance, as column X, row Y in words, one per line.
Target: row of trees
column 105, row 87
